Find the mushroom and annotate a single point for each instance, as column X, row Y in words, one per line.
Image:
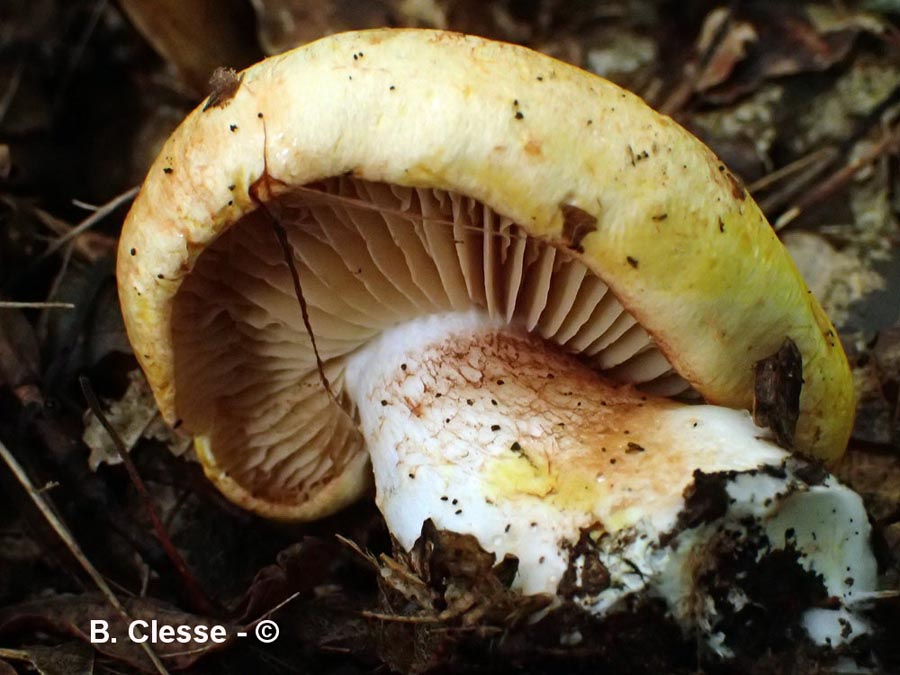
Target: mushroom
column 532, row 301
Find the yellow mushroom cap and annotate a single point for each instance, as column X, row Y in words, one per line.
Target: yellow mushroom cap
column 475, row 135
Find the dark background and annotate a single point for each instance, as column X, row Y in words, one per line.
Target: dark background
column 801, row 100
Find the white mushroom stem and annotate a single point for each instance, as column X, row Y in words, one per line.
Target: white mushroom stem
column 489, row 431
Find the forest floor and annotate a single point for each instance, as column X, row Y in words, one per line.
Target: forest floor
column 801, row 100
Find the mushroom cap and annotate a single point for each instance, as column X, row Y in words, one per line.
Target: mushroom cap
column 572, row 159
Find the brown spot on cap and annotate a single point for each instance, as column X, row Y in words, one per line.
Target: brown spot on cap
column 577, row 224
column 533, row 148
column 737, row 187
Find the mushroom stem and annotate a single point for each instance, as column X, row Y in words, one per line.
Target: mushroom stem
column 605, row 495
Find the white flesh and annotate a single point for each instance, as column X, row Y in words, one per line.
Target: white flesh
column 491, row 432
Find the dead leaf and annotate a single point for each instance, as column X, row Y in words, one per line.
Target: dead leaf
column 134, row 416
column 621, row 55
column 430, row 596
column 886, row 354
column 72, row 658
column 450, row 578
column 196, row 37
column 5, row 161
column 876, row 477
column 876, row 379
column 17, row 543
column 285, row 24
column 299, row 568
column 892, row 539
column 770, row 40
column 726, row 43
column 80, row 338
column 19, row 357
column 71, row 615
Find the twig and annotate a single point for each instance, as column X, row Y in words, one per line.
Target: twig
column 91, row 220
column 353, row 546
column 198, row 597
column 252, row 624
column 15, row 654
column 90, row 245
column 63, row 533
column 11, row 89
column 872, row 597
column 287, row 251
column 821, row 155
column 812, row 166
column 87, row 206
column 805, row 175
column 396, row 618
column 44, row 319
column 64, row 454
column 78, row 52
column 269, row 613
column 837, row 180
column 36, row 305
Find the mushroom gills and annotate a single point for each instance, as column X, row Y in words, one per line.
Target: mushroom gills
column 606, row 495
column 369, row 256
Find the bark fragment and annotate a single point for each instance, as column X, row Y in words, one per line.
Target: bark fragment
column 776, row 397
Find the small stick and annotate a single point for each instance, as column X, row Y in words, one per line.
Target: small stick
column 253, row 623
column 36, row 305
column 269, row 613
column 63, row 533
column 820, row 155
column 198, row 597
column 14, row 654
column 11, row 89
column 91, row 220
column 803, row 178
column 403, row 619
column 287, row 250
column 55, row 286
column 836, row 181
